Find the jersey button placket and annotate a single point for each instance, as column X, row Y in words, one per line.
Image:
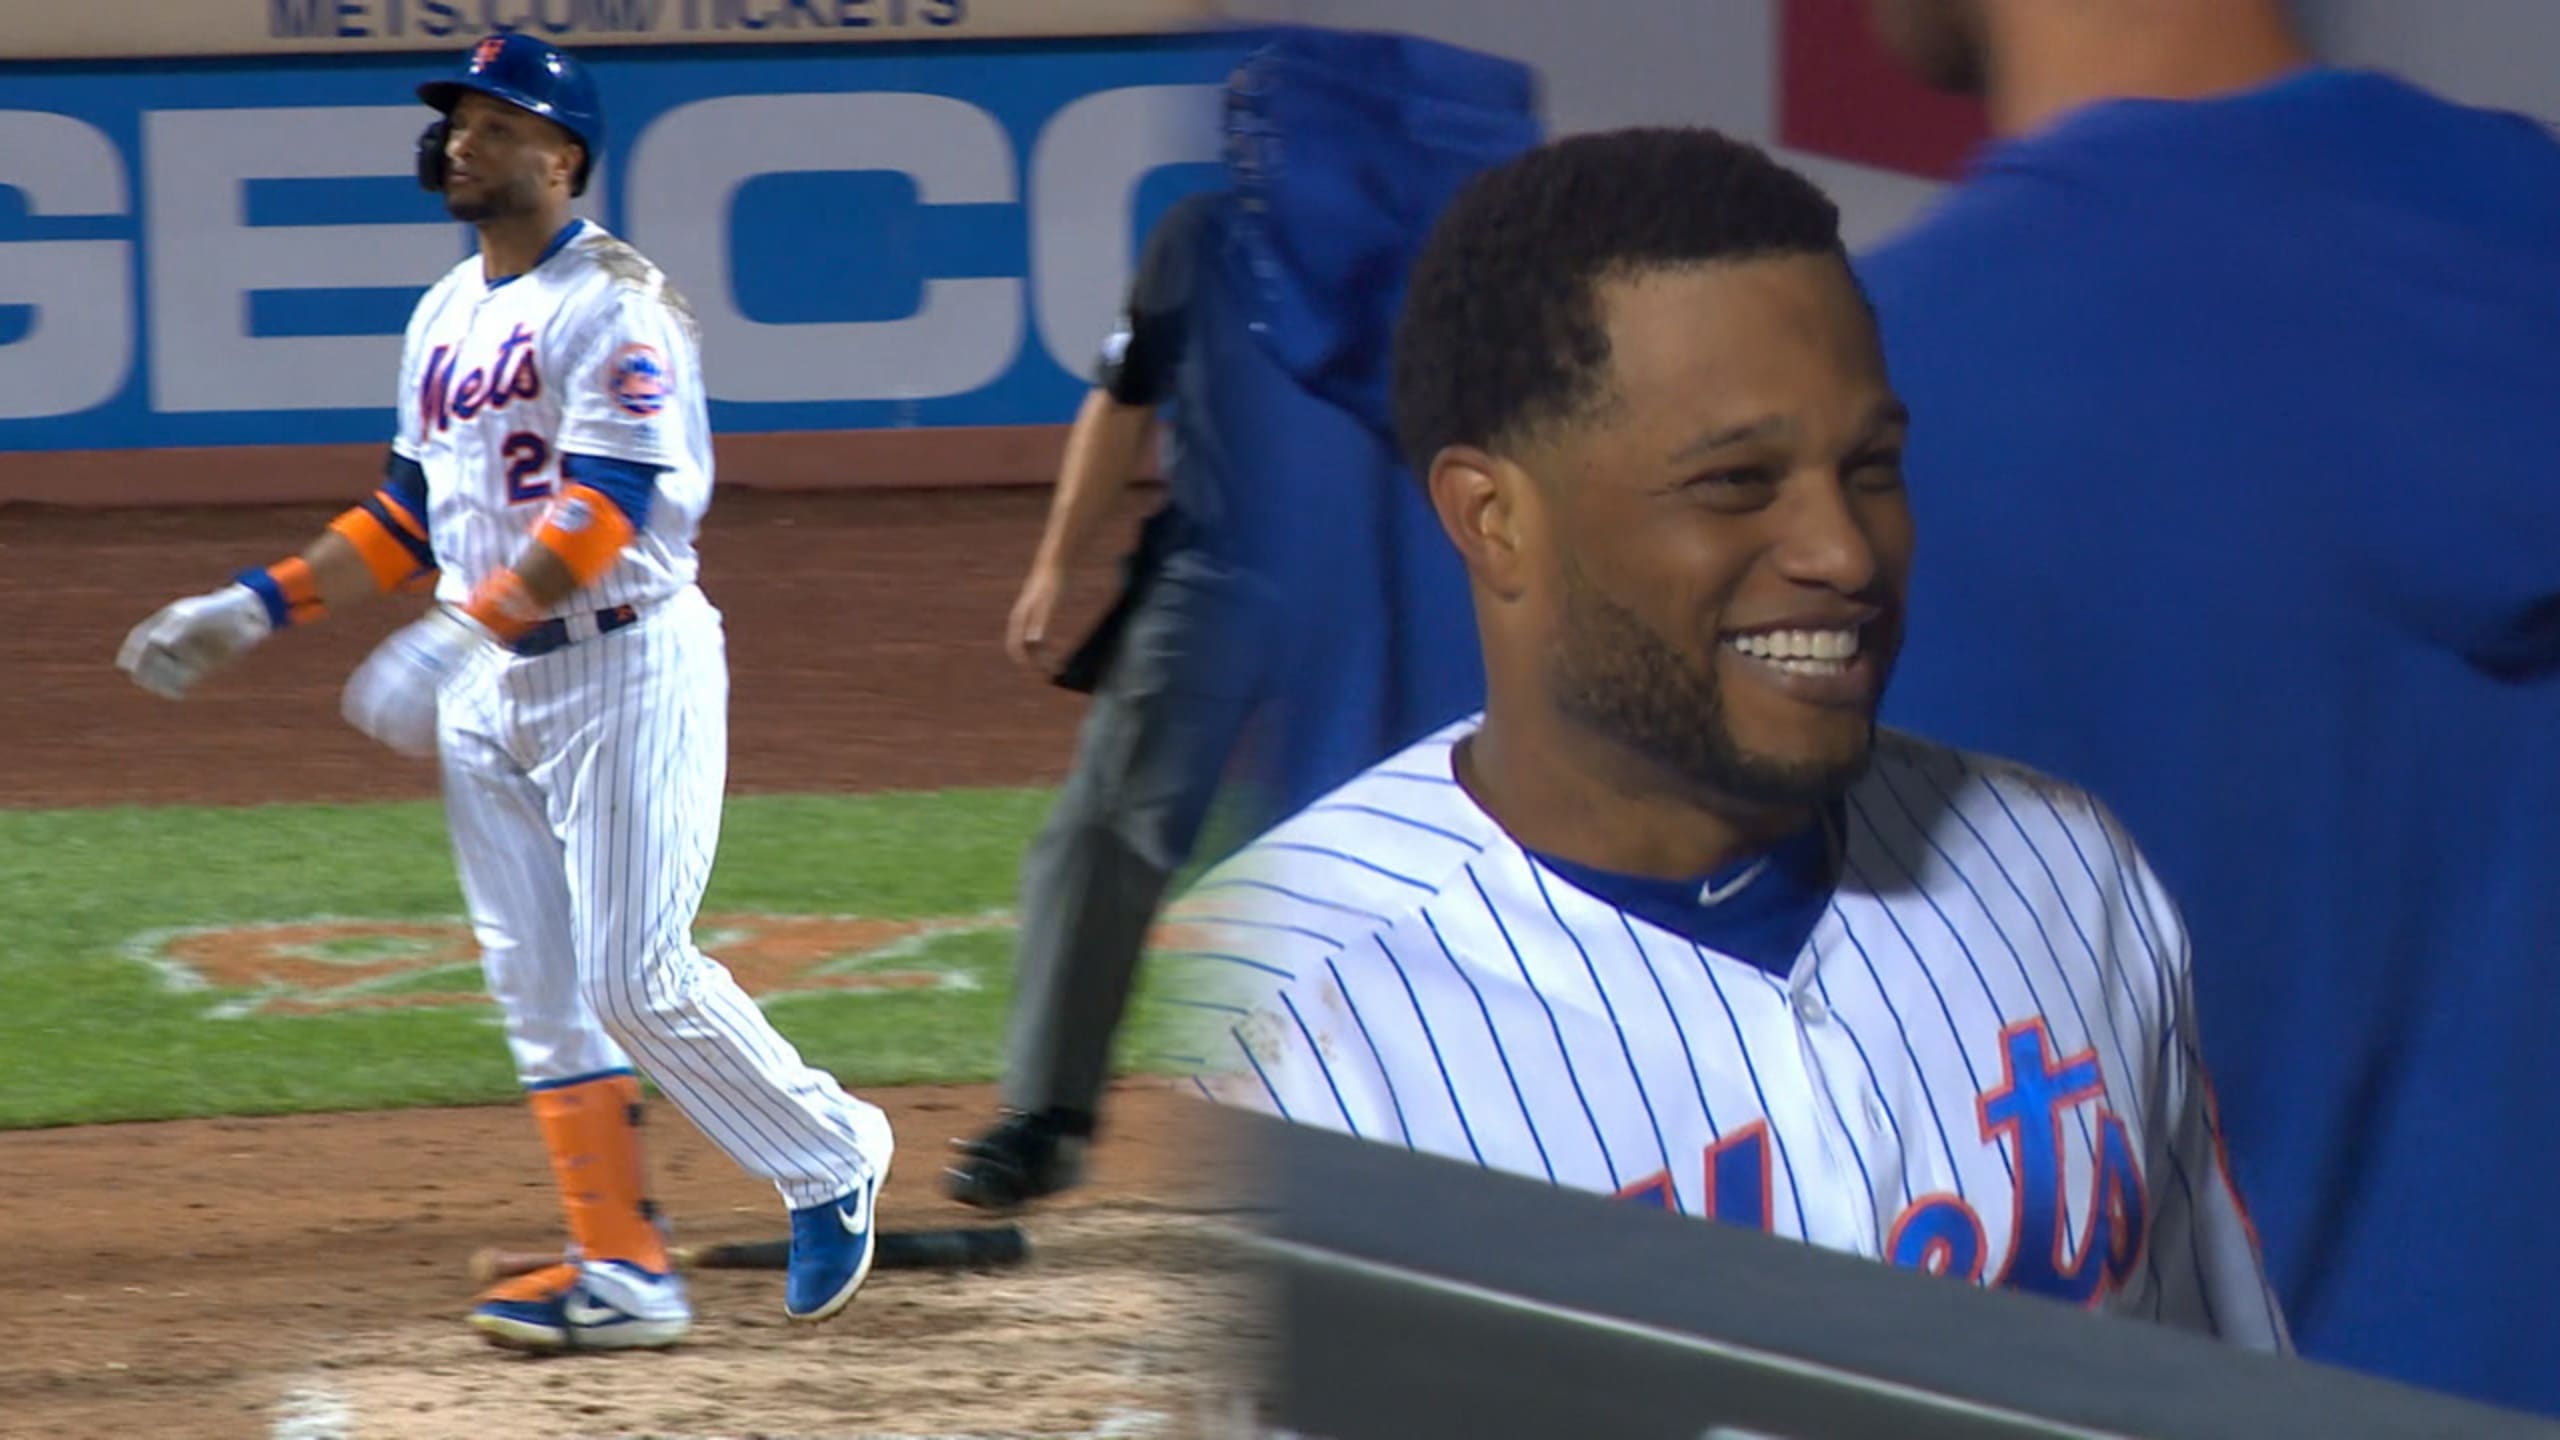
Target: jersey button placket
column 1847, row 1101
column 1848, row 1221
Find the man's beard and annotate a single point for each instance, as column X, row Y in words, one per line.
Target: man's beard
column 494, row 202
column 1612, row 674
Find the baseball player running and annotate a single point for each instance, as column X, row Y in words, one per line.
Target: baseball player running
column 551, row 465
column 1670, row 920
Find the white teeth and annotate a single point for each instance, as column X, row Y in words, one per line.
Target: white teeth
column 1830, row 648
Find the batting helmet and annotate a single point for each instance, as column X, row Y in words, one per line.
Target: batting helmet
column 529, row 74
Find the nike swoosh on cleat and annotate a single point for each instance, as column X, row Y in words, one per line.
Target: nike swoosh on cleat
column 579, row 1312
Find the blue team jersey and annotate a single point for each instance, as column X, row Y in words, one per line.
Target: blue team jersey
column 2236, row 464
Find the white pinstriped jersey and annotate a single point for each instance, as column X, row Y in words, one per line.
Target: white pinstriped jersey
column 584, row 784
column 590, row 352
column 1983, row 1061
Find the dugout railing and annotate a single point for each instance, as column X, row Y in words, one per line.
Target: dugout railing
column 1417, row 1299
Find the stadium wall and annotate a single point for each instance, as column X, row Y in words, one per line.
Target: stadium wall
column 904, row 240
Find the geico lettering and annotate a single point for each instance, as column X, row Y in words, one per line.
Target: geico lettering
column 965, row 333
column 78, row 349
column 683, row 171
column 1085, row 171
column 204, row 259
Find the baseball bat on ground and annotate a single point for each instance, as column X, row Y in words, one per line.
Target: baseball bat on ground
column 960, row 1248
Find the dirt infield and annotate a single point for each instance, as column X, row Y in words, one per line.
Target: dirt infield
column 304, row 1277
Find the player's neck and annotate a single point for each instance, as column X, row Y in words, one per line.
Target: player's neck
column 2055, row 59
column 1560, row 791
column 514, row 244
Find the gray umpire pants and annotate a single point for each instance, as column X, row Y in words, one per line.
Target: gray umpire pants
column 1165, row 716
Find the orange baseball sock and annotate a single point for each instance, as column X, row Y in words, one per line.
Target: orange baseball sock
column 592, row 1129
column 534, row 1285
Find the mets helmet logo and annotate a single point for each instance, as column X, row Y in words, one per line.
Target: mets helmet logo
column 638, row 380
column 484, row 54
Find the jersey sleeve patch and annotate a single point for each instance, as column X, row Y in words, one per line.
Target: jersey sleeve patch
column 637, row 380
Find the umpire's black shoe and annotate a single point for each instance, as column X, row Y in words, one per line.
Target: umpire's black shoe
column 1022, row 1157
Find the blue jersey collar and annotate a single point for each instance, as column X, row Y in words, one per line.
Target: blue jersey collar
column 567, row 233
column 1760, row 909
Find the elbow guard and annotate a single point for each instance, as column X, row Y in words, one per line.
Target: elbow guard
column 390, row 531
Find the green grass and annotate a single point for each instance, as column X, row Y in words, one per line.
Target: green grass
column 89, row 1032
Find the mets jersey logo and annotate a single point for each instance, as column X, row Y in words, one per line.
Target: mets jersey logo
column 445, row 396
column 1941, row 1233
column 638, row 380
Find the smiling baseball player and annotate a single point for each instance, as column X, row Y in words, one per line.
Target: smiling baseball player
column 551, row 466
column 1669, row 920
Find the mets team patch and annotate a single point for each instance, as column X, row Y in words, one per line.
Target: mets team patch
column 638, row 380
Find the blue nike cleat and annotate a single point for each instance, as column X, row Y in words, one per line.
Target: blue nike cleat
column 831, row 1250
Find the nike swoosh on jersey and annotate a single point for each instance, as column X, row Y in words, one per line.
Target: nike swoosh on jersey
column 1714, row 894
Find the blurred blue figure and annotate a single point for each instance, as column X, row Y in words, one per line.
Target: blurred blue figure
column 2232, row 380
column 1291, row 612
column 1345, row 148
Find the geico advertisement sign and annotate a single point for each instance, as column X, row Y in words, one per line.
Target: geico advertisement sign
column 924, row 240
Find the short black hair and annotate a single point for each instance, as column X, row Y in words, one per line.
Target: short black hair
column 1501, row 329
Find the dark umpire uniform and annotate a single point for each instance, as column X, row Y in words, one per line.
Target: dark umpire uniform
column 1173, row 669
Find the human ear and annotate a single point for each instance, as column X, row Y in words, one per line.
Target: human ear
column 1485, row 505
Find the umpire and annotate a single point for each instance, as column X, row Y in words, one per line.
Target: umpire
column 1172, row 672
column 1275, row 634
